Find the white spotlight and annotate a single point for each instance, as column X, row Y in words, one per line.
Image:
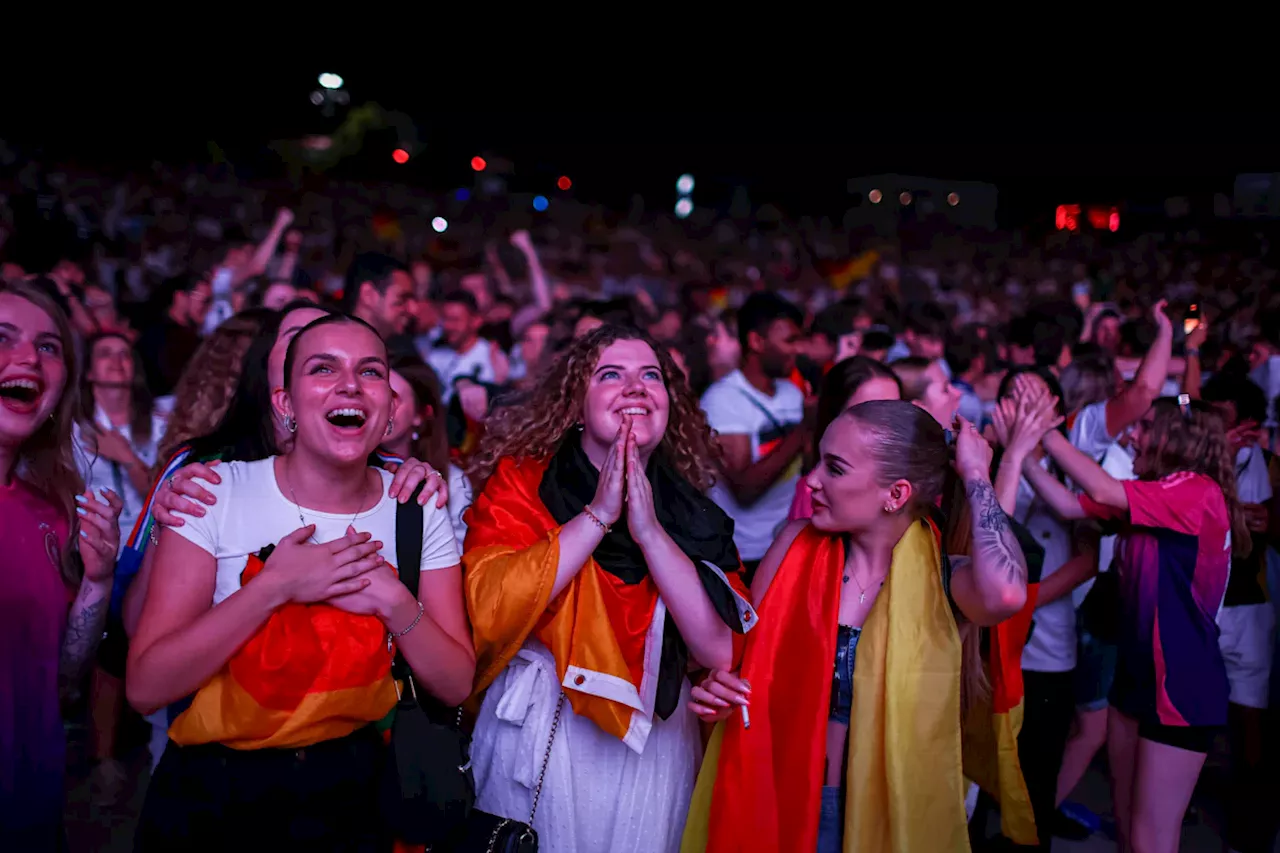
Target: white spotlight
column 439, row 224
column 683, row 208
column 330, row 81
column 684, row 184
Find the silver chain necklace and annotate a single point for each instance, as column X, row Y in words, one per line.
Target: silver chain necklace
column 303, row 521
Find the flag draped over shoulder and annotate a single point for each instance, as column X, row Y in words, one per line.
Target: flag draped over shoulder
column 760, row 788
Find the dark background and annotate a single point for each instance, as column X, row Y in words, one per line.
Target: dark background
column 797, row 160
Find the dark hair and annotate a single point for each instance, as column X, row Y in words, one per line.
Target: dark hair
column 1055, row 389
column 432, row 445
column 876, row 339
column 291, row 352
column 140, row 398
column 1046, row 336
column 841, row 383
column 927, row 319
column 910, row 373
column 835, row 321
column 1250, row 400
column 461, row 297
column 965, row 347
column 907, row 443
column 373, row 267
column 760, row 311
column 247, row 432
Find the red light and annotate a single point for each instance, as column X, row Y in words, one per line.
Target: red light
column 564, row 183
column 478, row 163
column 400, row 156
column 1113, row 221
column 1067, row 217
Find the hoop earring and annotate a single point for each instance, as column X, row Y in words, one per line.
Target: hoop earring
column 290, row 424
column 391, row 426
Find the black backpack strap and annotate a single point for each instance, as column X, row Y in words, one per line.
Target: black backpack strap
column 408, row 558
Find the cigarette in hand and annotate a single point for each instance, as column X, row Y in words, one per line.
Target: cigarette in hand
column 746, row 717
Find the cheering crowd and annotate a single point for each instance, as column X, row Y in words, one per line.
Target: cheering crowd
column 581, row 537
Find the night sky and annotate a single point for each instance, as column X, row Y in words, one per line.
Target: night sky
column 797, row 160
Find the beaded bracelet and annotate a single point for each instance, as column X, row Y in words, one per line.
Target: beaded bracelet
column 392, row 635
column 591, row 515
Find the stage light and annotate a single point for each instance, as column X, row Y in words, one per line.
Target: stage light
column 439, row 224
column 317, row 98
column 540, row 202
column 400, row 156
column 1113, row 221
column 330, row 81
column 684, row 184
column 953, row 199
column 564, row 183
column 683, row 208
column 904, row 198
column 875, row 196
column 462, row 194
column 478, row 164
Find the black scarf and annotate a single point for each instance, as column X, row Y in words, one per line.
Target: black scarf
column 699, row 527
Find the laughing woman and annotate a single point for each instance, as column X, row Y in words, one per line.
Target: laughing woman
column 597, row 573
column 282, row 632
column 52, row 606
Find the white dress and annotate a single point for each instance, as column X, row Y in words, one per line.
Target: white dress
column 599, row 794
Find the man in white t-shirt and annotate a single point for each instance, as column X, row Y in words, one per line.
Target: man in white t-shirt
column 461, row 352
column 760, row 418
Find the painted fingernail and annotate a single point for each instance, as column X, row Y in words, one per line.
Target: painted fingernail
column 81, row 499
column 80, row 511
column 83, row 534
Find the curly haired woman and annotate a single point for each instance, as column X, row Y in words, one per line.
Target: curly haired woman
column 596, row 570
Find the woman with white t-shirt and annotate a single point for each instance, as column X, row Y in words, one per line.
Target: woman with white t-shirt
column 246, row 609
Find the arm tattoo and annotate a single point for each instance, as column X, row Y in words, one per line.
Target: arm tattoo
column 995, row 549
column 84, row 631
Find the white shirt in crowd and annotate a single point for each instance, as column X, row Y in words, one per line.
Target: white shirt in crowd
column 450, row 365
column 1052, row 644
column 735, row 407
column 101, row 473
column 252, row 512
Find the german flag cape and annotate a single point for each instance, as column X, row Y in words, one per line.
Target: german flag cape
column 904, row 787
column 312, row 673
column 606, row 635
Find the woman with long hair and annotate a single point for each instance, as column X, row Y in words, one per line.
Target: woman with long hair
column 851, row 381
column 597, row 574
column 55, row 579
column 421, row 432
column 1180, row 520
column 870, row 758
column 279, row 743
column 114, row 439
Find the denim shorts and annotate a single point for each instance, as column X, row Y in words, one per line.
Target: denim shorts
column 831, row 822
column 1095, row 670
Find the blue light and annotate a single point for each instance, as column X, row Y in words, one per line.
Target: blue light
column 539, row 202
column 462, row 194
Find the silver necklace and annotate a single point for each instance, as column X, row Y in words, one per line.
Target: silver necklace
column 303, row 521
column 862, row 592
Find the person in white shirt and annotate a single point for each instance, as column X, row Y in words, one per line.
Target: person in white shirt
column 762, row 423
column 461, row 352
column 244, row 605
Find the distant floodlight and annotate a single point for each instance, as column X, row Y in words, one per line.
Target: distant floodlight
column 953, row 199
column 683, row 208
column 317, row 98
column 330, row 81
column 684, row 184
column 904, row 197
column 874, row 196
column 539, row 202
column 439, row 224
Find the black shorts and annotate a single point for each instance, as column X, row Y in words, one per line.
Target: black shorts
column 1190, row 738
column 114, row 649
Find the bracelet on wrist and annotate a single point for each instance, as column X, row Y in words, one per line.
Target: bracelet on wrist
column 395, row 635
column 591, row 515
column 1192, row 352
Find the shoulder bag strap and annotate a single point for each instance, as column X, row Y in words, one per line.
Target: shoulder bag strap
column 408, row 564
column 546, row 759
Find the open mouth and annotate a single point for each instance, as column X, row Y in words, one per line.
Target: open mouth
column 21, row 394
column 634, row 411
column 347, row 418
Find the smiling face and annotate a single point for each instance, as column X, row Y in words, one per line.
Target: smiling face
column 627, row 382
column 339, row 392
column 33, row 369
column 111, row 363
column 848, row 496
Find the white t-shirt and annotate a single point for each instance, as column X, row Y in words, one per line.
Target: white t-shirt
column 476, row 363
column 734, row 407
column 1052, row 645
column 101, row 473
column 1118, row 462
column 252, row 512
column 459, row 501
column 1089, row 432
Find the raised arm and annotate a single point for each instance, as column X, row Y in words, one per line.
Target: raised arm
column 1086, row 473
column 992, row 585
column 1135, row 398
